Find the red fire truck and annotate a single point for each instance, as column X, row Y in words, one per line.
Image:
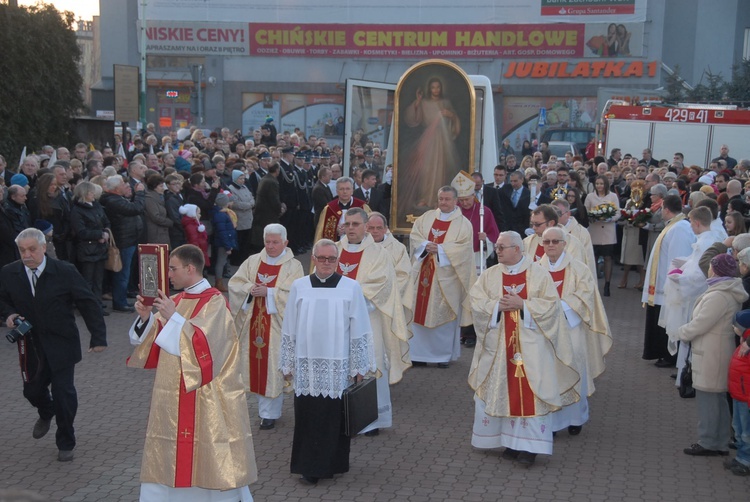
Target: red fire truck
column 696, row 131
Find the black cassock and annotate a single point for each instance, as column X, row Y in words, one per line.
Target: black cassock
column 320, row 448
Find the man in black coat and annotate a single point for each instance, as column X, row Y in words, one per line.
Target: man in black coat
column 43, row 291
column 8, row 250
column 516, row 211
column 487, row 195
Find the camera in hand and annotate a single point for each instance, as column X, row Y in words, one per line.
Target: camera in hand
column 22, row 327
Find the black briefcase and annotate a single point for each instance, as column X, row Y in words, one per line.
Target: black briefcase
column 360, row 406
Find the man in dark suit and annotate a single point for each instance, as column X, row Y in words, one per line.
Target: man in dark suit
column 369, row 192
column 321, row 192
column 43, row 292
column 488, row 196
column 264, row 160
column 516, row 211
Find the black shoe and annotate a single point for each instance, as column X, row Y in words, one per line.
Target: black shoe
column 470, row 342
column 664, row 363
column 697, row 450
column 510, row 454
column 732, row 445
column 443, row 365
column 673, row 376
column 418, row 363
column 65, row 455
column 267, row 423
column 740, row 469
column 308, row 480
column 124, row 308
column 41, row 428
column 374, row 432
column 526, row 459
column 574, row 430
column 606, row 289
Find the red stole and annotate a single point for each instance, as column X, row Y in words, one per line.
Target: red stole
column 539, row 253
column 558, row 278
column 520, row 395
column 349, row 264
column 186, row 408
column 427, row 271
column 260, row 329
column 332, row 216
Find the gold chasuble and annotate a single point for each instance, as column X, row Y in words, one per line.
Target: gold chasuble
column 578, row 289
column 516, row 370
column 440, row 291
column 260, row 330
column 198, row 431
column 372, row 267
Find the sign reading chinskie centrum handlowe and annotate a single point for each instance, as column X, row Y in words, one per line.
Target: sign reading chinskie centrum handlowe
column 564, row 40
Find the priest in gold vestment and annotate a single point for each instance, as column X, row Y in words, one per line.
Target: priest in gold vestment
column 442, row 274
column 257, row 296
column 377, row 227
column 361, row 259
column 571, row 225
column 542, row 218
column 198, row 440
column 585, row 320
column 518, row 371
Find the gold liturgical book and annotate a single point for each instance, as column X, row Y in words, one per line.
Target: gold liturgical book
column 153, row 260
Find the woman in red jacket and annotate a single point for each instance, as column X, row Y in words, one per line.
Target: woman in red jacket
column 739, row 388
column 195, row 231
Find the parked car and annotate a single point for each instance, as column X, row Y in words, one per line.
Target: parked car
column 580, row 136
column 560, row 147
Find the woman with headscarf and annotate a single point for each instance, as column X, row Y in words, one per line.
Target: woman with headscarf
column 711, row 335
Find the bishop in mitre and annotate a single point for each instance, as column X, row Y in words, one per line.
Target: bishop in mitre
column 198, row 440
column 585, row 321
column 257, row 296
column 361, row 259
column 442, row 274
column 517, row 374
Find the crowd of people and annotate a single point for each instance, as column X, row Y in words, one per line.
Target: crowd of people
column 510, row 268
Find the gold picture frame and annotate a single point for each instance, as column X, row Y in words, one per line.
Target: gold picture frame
column 433, row 137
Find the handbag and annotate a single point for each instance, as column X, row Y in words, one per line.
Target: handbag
column 360, row 406
column 686, row 378
column 114, row 261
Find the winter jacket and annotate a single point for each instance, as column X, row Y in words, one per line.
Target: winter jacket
column 195, row 233
column 739, row 375
column 225, row 235
column 173, row 202
column 125, row 217
column 157, row 221
column 711, row 333
column 19, row 216
column 243, row 203
column 87, row 222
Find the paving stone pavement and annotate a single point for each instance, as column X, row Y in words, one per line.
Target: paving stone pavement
column 631, row 450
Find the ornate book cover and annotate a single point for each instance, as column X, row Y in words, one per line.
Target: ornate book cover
column 153, row 260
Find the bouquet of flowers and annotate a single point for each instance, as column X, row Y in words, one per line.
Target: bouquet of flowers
column 636, row 216
column 603, row 212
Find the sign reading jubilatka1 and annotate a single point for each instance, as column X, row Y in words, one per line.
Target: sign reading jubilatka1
column 583, row 69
